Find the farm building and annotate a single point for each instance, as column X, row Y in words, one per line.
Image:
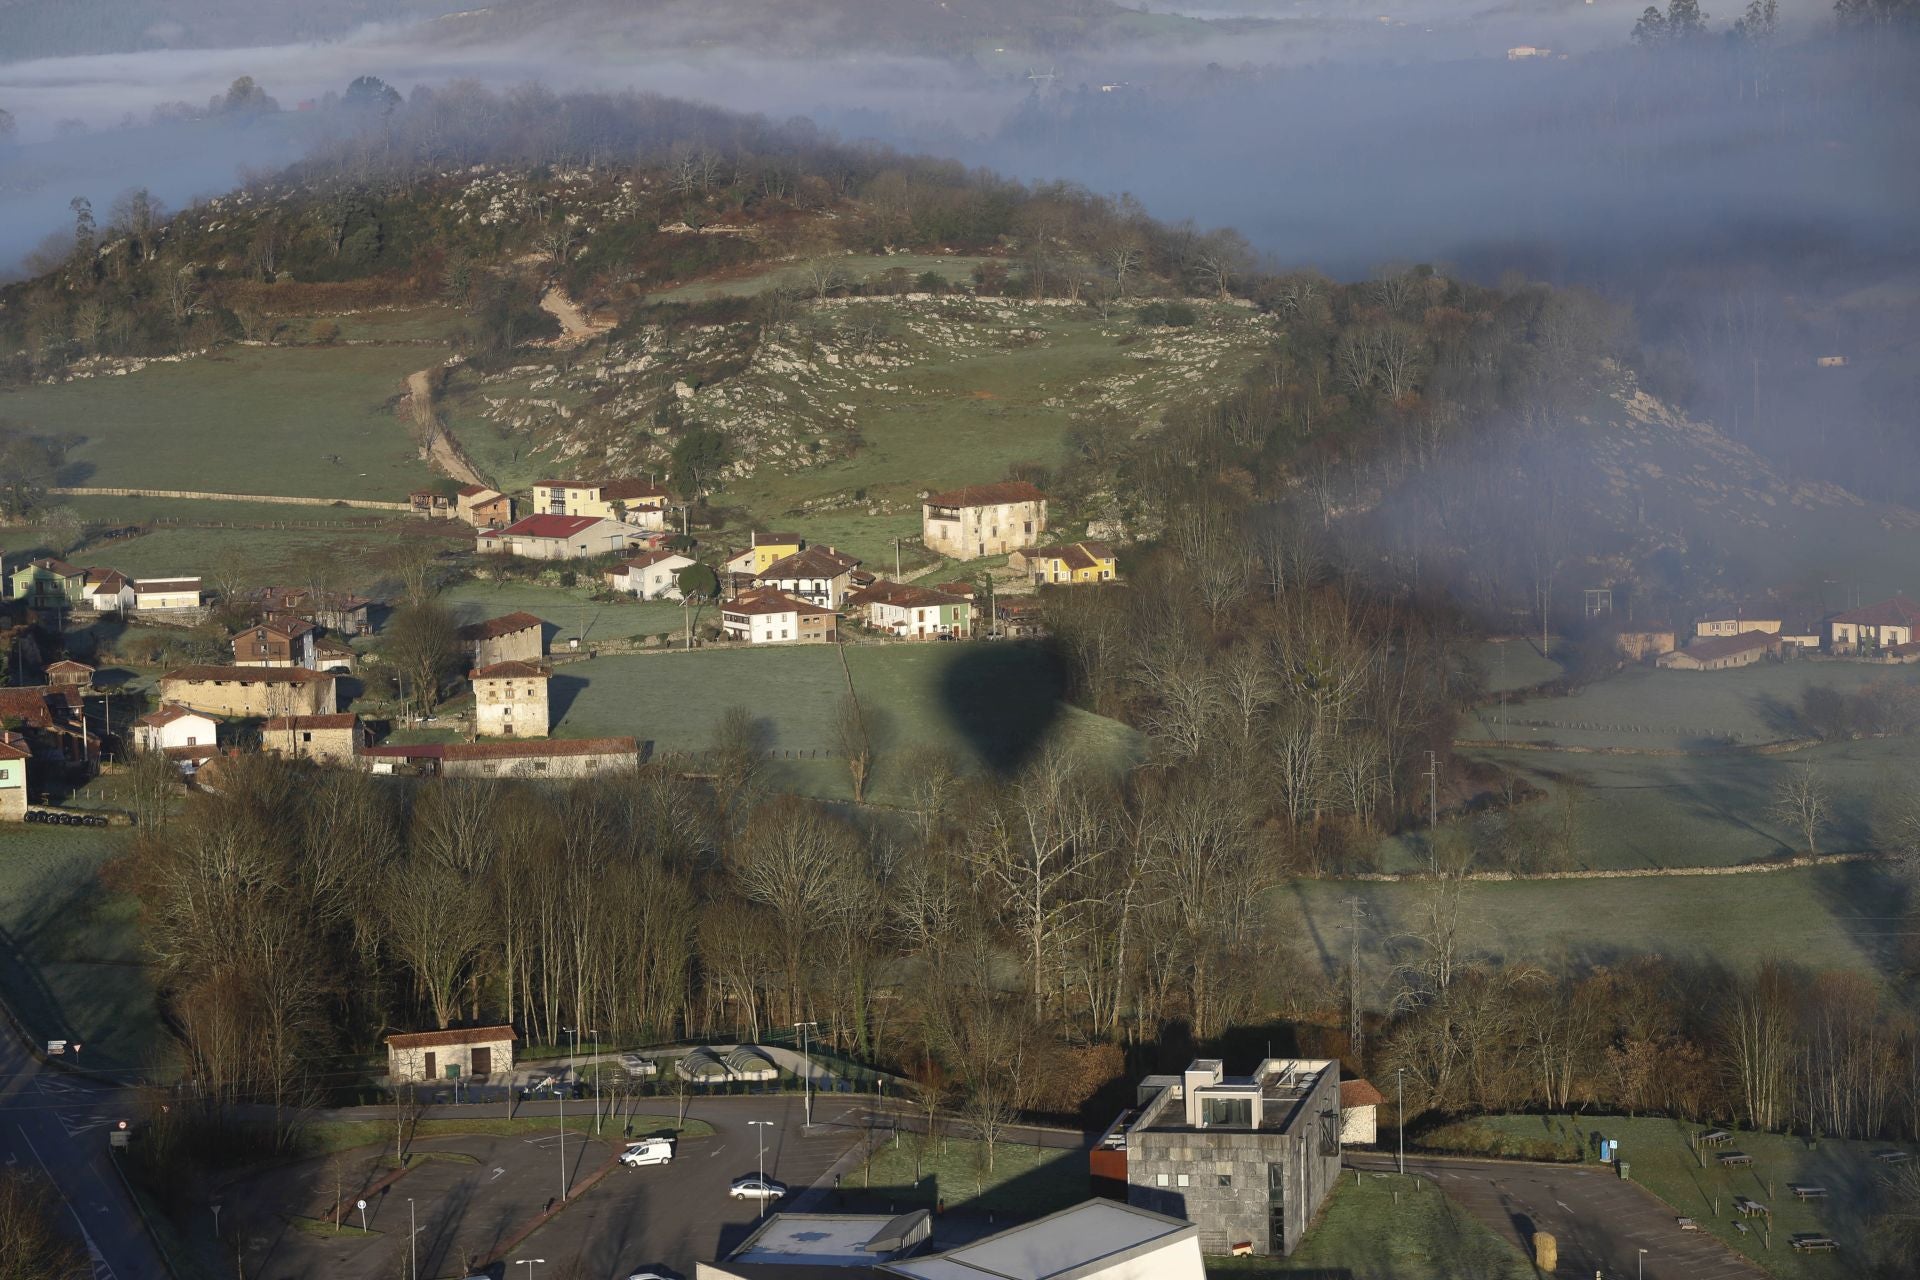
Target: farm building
column 332, row 655
column 165, row 595
column 1247, row 1159
column 653, row 576
column 173, row 725
column 773, row 617
column 763, row 549
column 1722, row 652
column 1874, row 628
column 431, row 504
column 818, row 575
column 1071, row 563
column 462, row 1053
column 68, row 674
column 983, row 519
column 1737, row 619
column 249, row 691
column 1359, row 1113
column 108, row 591
column 547, row 537
column 904, row 609
column 483, row 508
column 1643, row 642
column 14, row 755
column 330, row 739
column 513, row 637
column 506, row 758
column 634, row 502
column 277, row 642
column 510, row 700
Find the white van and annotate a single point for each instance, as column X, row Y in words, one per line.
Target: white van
column 647, row 1151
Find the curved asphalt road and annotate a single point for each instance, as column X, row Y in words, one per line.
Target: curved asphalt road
column 1599, row 1222
column 56, row 1122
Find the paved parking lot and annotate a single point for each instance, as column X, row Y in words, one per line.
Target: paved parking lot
column 1600, row 1222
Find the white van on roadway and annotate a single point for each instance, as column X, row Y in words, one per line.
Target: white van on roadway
column 647, row 1151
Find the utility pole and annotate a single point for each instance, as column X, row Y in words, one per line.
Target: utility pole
column 896, row 559
column 1433, row 789
column 1354, row 1032
column 806, row 1057
column 1400, row 1114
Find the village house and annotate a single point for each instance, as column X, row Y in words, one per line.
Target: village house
column 513, row 637
column 818, row 575
column 774, row 617
column 165, row 595
column 1735, row 619
column 417, row 1057
column 328, row 739
column 68, row 674
column 983, row 519
column 1018, row 617
column 53, row 722
column 340, row 611
column 431, row 504
column 1721, row 652
column 636, row 502
column 48, row 583
column 762, row 550
column 14, row 757
column 250, row 691
column 483, row 508
column 510, row 700
column 915, row 612
column 653, row 576
column 1643, row 642
column 507, row 758
column 1071, row 563
column 1874, row 628
column 333, row 655
column 108, row 591
column 546, row 537
column 1360, row 1105
column 278, row 642
column 173, row 725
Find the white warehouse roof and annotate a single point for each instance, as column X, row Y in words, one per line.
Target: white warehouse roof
column 1095, row 1240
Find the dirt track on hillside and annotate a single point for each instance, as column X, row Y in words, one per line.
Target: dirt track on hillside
column 438, row 446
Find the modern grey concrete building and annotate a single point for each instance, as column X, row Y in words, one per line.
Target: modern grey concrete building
column 1246, row 1159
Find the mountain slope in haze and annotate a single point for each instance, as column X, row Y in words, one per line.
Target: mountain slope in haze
column 69, row 28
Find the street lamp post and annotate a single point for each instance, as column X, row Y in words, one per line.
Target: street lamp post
column 1400, row 1115
column 413, row 1242
column 1642, row 1263
column 760, row 1128
column 806, row 1069
column 529, row 1264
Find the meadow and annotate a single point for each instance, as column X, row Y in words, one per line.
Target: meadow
column 304, row 421
column 915, row 1171
column 1661, row 1158
column 1840, row 917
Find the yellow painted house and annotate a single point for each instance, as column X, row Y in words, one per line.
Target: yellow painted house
column 764, row 551
column 1074, row 562
column 634, row 501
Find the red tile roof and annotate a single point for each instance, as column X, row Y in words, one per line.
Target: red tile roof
column 458, row 1035
column 987, row 495
column 1897, row 612
column 68, row 664
column 1359, row 1093
column 1076, row 555
column 903, row 595
column 61, row 567
column 1726, row 646
column 251, row 675
column 149, row 585
column 547, row 526
column 505, row 625
column 652, row 558
column 169, row 712
column 768, row 601
column 11, row 750
column 814, row 562
column 629, row 490
column 512, row 671
column 509, row 749
column 474, row 490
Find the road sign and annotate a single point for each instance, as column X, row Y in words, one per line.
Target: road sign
column 56, row 1047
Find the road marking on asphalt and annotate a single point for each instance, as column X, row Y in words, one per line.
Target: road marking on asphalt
column 101, row 1271
column 1564, row 1205
column 716, row 1151
column 497, row 1171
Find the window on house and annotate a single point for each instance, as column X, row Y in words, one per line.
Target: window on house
column 306, row 737
column 1226, row 1180
column 539, row 766
column 1330, row 1133
column 489, row 768
column 1160, row 1180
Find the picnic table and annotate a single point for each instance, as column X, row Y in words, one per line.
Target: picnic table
column 1687, row 1224
column 1715, row 1138
column 1742, row 1228
column 1731, row 1158
column 1808, row 1242
column 1749, row 1208
column 1891, row 1157
column 1807, row 1191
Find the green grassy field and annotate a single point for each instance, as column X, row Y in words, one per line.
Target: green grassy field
column 1515, row 664
column 1834, row 916
column 70, row 965
column 568, row 608
column 1687, row 710
column 303, row 421
column 991, row 704
column 1660, row 1159
column 914, row 1171
column 1386, row 1227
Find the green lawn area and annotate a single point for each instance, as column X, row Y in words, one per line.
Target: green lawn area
column 1830, row 915
column 1660, row 1159
column 1515, row 664
column 568, row 608
column 1386, row 1227
column 915, row 1171
column 70, row 966
column 302, row 421
column 412, row 324
column 992, row 704
column 323, row 1136
column 1650, row 708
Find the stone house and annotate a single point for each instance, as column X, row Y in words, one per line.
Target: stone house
column 507, row 758
column 513, row 637
column 431, row 504
column 983, row 519
column 818, row 575
column 774, row 617
column 416, row 1057
column 282, row 641
column 483, row 508
column 250, row 691
column 548, row 537
column 1249, row 1160
column 328, row 739
column 510, row 700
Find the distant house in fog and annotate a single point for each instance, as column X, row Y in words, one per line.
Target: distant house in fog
column 1874, row 628
column 1638, row 643
column 1722, row 652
